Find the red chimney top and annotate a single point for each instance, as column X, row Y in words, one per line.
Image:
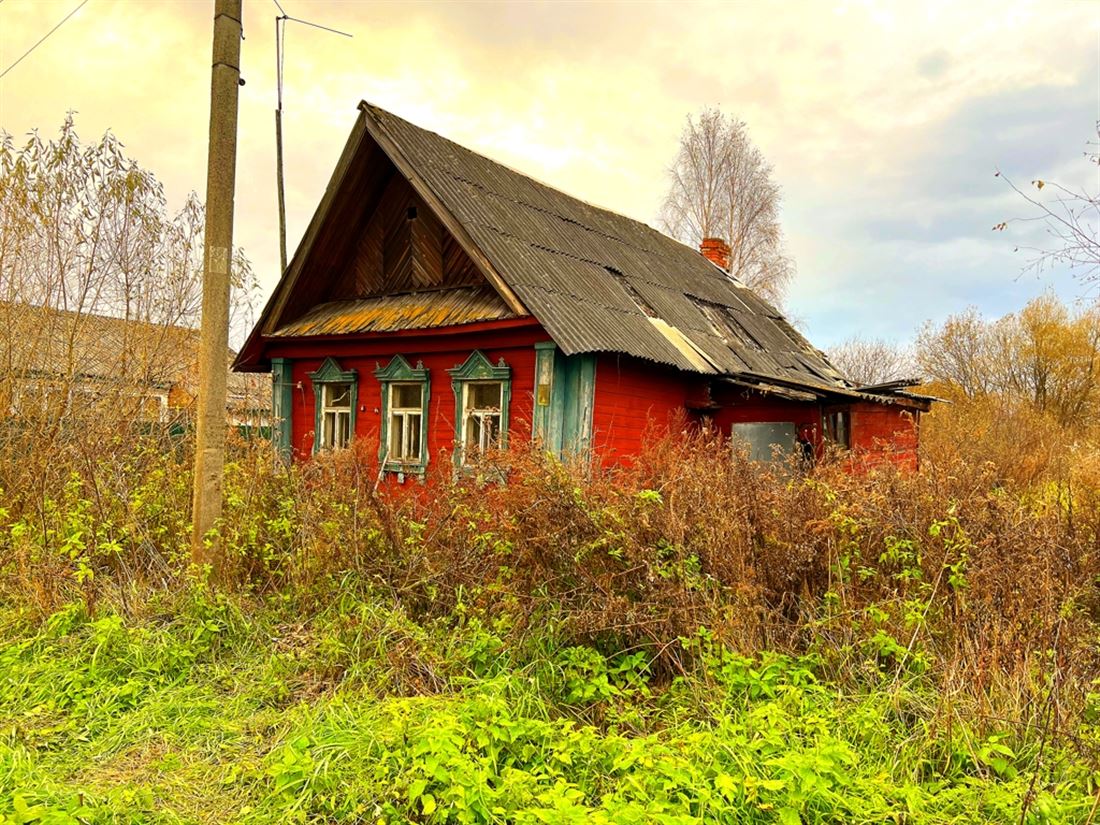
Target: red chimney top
column 716, row 251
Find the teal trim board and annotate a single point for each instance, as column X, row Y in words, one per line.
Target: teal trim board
column 282, row 397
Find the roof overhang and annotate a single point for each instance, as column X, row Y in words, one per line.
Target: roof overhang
column 366, row 130
column 805, row 391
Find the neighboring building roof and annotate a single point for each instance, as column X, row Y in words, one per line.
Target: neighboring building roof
column 44, row 341
column 47, row 343
column 595, row 280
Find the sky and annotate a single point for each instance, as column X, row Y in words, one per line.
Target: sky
column 885, row 122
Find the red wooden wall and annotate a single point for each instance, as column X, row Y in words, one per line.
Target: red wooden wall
column 882, row 434
column 633, row 398
column 511, row 340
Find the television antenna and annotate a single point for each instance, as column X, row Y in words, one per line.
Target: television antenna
column 281, row 19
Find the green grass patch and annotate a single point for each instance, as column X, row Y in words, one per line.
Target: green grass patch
column 214, row 710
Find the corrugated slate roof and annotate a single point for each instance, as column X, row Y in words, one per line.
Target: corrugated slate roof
column 45, row 341
column 602, row 282
column 48, row 343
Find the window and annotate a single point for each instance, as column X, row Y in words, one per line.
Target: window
column 335, row 415
column 404, row 428
column 482, row 425
column 766, row 440
column 838, row 428
column 335, row 392
column 406, row 416
column 482, row 392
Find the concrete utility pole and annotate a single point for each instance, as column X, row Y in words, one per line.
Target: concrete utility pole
column 214, row 346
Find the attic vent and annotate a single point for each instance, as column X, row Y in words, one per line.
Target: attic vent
column 634, row 294
column 411, row 215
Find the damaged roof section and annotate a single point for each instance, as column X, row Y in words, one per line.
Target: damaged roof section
column 598, row 281
column 410, row 310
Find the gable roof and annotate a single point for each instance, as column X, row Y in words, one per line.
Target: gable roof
column 46, row 343
column 596, row 281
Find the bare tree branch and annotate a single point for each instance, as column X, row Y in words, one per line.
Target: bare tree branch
column 721, row 186
column 1071, row 220
column 874, row 361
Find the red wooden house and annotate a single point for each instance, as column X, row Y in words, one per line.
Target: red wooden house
column 441, row 303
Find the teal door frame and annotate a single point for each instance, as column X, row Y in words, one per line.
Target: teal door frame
column 565, row 390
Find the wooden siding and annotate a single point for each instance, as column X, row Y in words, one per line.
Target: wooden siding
column 331, row 243
column 746, row 406
column 439, row 353
column 882, row 435
column 398, row 253
column 633, row 398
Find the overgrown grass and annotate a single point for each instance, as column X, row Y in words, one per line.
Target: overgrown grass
column 217, row 710
column 692, row 639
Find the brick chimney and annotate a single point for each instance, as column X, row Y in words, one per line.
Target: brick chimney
column 716, row 251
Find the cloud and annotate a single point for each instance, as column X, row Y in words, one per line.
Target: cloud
column 883, row 121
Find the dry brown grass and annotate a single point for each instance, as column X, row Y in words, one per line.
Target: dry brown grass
column 963, row 572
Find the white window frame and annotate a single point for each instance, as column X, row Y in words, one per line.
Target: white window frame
column 331, row 440
column 402, row 418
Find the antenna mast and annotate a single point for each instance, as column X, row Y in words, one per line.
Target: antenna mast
column 280, row 39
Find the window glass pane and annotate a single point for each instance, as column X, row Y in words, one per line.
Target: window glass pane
column 484, row 396
column 491, row 426
column 407, row 396
column 396, row 433
column 337, row 395
column 413, row 422
column 328, row 428
column 343, row 423
column 473, row 434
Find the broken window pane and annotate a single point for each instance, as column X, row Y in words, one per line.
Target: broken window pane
column 337, row 395
column 838, row 428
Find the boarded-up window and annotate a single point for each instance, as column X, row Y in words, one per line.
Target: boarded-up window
column 767, row 440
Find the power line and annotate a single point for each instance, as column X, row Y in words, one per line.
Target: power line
column 43, row 40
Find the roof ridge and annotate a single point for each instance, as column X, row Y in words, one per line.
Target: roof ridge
column 375, row 110
column 96, row 316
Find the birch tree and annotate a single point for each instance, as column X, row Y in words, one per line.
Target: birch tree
column 722, row 186
column 873, row 361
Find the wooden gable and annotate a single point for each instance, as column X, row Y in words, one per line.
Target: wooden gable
column 401, row 246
